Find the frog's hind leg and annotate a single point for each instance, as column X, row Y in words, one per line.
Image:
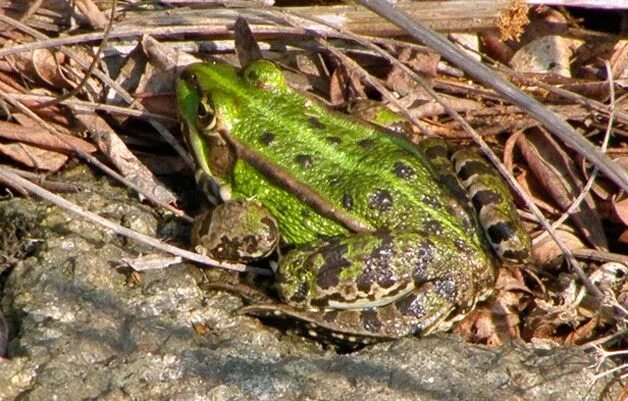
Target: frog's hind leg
column 494, row 205
column 469, row 176
column 381, row 285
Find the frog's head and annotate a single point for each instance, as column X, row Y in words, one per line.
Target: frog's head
column 211, row 99
column 207, row 97
column 212, row 96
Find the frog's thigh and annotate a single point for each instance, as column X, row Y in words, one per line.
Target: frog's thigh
column 427, row 308
column 405, row 277
column 236, row 231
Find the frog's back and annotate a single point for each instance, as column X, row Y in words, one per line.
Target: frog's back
column 371, row 177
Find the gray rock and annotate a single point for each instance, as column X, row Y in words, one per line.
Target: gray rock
column 83, row 328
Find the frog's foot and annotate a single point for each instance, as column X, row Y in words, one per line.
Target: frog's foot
column 494, row 205
column 236, row 231
column 316, row 324
column 419, row 312
column 469, row 176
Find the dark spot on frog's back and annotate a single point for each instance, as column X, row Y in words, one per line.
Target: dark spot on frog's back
column 333, row 140
column 370, row 320
column 252, row 75
column 404, row 171
column 436, row 152
column 300, row 294
column 347, row 201
column 461, row 245
column 431, row 201
column 334, row 180
column 316, row 123
column 433, row 227
column 366, row 144
column 517, row 255
column 377, row 265
column 380, row 200
column 267, row 138
column 410, row 305
column 304, row 161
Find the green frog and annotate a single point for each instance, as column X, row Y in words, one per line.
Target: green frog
column 378, row 238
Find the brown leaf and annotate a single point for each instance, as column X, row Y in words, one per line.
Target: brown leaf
column 40, row 137
column 92, row 14
column 129, row 166
column 433, row 108
column 422, row 62
column 558, row 175
column 528, row 181
column 549, row 54
column 157, row 78
column 497, row 321
column 605, row 189
column 46, row 64
column 546, row 250
column 345, row 86
column 495, row 47
column 620, row 210
column 623, row 238
column 34, row 157
column 247, row 48
column 619, row 60
column 582, row 332
column 551, row 317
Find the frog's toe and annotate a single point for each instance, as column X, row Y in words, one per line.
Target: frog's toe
column 328, row 326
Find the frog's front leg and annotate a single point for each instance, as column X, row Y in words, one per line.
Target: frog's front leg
column 236, row 231
column 383, row 284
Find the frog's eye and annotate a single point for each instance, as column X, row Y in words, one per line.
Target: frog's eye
column 264, row 74
column 205, row 114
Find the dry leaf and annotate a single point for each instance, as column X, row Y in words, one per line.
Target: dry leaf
column 620, row 211
column 619, row 60
column 46, row 64
column 559, row 310
column 345, row 86
column 497, row 321
column 558, row 175
column 129, row 166
column 424, row 63
column 92, row 14
column 40, row 137
column 34, row 157
column 546, row 251
column 549, row 54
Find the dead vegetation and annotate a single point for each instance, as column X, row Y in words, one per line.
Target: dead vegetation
column 79, row 81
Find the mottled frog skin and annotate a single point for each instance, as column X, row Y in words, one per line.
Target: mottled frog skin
column 378, row 238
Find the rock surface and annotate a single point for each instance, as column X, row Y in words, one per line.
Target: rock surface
column 83, row 326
